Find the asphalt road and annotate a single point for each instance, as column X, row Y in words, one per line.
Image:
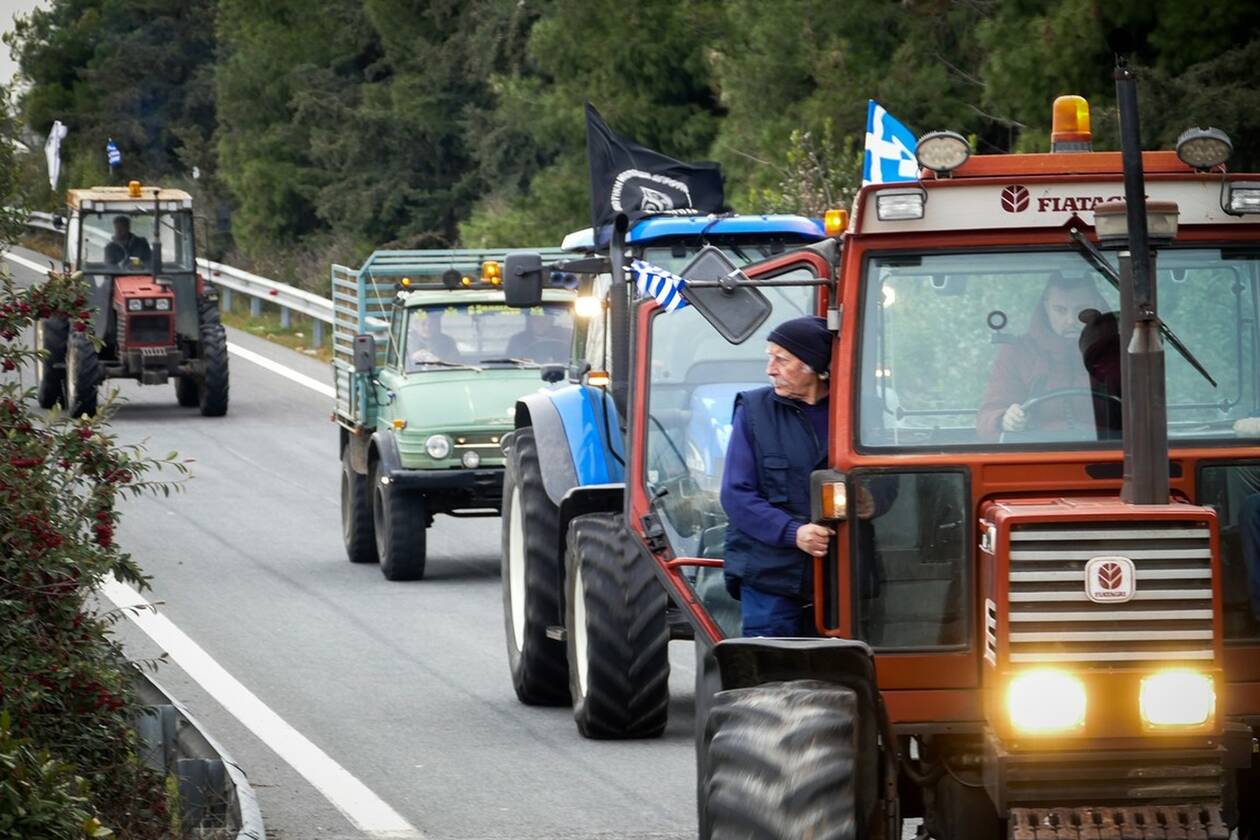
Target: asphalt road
column 404, row 685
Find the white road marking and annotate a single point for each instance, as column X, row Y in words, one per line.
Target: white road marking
column 276, row 367
column 368, row 812
column 51, row 265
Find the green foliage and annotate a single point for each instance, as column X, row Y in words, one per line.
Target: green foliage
column 39, row 796
column 64, row 684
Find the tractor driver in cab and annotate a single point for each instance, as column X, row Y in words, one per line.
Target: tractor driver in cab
column 779, row 435
column 125, row 248
column 1043, row 380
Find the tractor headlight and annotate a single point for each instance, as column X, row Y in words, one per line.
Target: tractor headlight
column 162, row 304
column 134, row 305
column 438, row 446
column 1046, row 701
column 1178, row 697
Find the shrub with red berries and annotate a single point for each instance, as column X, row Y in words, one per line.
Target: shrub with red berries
column 66, row 709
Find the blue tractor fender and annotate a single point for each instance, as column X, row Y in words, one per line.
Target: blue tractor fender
column 580, row 450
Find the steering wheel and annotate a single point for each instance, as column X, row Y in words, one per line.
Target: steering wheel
column 1060, row 393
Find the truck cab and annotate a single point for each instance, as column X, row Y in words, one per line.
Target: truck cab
column 428, row 363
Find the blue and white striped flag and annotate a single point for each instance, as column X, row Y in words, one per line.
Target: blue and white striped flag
column 889, row 148
column 111, row 151
column 663, row 285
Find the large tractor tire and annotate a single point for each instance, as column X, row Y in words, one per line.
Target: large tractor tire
column 399, row 522
column 214, row 385
column 82, row 377
column 531, row 578
column 51, row 335
column 208, row 312
column 782, row 762
column 187, row 391
column 618, row 638
column 356, row 514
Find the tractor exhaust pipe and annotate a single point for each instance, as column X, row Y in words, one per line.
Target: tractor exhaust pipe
column 1142, row 360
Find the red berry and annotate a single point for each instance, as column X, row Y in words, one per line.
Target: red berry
column 8, row 364
column 79, row 326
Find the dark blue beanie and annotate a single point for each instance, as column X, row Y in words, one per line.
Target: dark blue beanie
column 807, row 338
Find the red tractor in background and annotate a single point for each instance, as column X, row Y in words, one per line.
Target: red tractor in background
column 155, row 316
column 1064, row 609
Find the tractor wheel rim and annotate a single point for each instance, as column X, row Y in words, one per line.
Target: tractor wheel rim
column 72, row 370
column 579, row 627
column 516, row 568
column 39, row 345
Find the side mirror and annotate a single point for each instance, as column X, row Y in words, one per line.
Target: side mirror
column 58, row 221
column 522, row 279
column 554, row 373
column 364, row 353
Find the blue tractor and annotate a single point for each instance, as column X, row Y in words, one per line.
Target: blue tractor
column 587, row 621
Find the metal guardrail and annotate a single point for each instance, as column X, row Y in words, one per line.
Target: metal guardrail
column 258, row 289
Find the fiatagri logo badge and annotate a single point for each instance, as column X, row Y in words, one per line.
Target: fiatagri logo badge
column 1017, row 199
column 1110, row 580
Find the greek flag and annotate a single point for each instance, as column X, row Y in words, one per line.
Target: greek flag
column 111, row 151
column 663, row 285
column 889, row 148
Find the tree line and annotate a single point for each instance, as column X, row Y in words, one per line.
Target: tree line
column 321, row 129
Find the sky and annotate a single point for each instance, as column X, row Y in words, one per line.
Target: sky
column 9, row 8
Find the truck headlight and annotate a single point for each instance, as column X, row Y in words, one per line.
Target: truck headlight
column 1046, row 702
column 1179, row 697
column 438, row 446
column 134, row 305
column 471, row 460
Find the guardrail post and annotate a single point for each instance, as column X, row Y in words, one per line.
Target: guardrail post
column 225, row 295
column 255, row 307
column 284, row 318
column 317, row 332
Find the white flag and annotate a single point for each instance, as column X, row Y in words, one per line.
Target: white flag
column 52, row 152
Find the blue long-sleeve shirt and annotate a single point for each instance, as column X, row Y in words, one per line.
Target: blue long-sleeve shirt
column 745, row 507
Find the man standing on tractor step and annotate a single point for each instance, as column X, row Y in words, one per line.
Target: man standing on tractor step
column 779, row 436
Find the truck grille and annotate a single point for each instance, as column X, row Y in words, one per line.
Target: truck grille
column 1169, row 618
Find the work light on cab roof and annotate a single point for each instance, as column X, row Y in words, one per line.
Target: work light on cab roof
column 942, row 151
column 1204, row 148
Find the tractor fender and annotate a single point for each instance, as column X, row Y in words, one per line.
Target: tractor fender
column 592, row 498
column 744, row 663
column 383, row 447
column 578, row 435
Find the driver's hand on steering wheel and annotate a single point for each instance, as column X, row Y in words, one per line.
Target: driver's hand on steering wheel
column 1014, row 419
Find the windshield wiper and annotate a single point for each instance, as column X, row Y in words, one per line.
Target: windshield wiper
column 510, row 361
column 441, row 363
column 1095, row 258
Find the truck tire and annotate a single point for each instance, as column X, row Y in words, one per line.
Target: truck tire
column 782, row 762
column 82, row 376
column 214, row 383
column 356, row 514
column 50, row 372
column 618, row 638
column 531, row 578
column 398, row 521
column 187, row 391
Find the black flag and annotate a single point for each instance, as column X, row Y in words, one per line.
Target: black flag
column 628, row 178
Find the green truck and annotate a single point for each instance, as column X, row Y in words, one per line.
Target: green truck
column 428, row 363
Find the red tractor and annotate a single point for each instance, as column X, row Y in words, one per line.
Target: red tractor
column 155, row 316
column 1052, row 627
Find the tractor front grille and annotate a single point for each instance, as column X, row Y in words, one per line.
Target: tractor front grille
column 148, row 329
column 1168, row 619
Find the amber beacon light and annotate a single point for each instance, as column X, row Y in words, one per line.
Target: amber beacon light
column 1069, row 130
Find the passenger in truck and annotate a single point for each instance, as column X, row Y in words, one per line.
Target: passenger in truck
column 1044, row 362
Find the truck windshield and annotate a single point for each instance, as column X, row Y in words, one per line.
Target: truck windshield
column 473, row 334
column 1019, row 348
column 122, row 243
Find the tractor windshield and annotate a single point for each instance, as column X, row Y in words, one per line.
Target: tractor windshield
column 479, row 334
column 122, row 242
column 1022, row 349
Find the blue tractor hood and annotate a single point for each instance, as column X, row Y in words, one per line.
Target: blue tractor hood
column 790, row 228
